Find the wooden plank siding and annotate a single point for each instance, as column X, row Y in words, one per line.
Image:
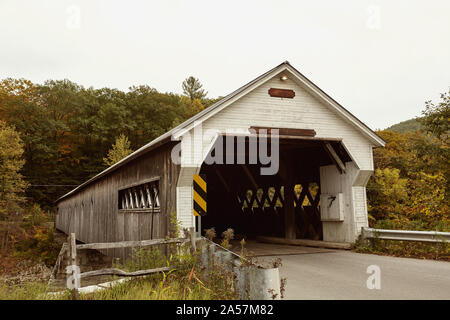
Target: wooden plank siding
column 93, row 214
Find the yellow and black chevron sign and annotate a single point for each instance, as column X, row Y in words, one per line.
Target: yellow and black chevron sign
column 199, row 196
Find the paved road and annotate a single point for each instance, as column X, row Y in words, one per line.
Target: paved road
column 343, row 275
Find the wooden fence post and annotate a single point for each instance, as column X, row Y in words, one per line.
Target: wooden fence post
column 73, row 265
column 74, row 275
column 192, row 235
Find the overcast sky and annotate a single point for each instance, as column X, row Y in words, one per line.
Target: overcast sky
column 380, row 59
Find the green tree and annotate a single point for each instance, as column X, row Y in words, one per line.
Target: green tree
column 11, row 183
column 67, row 129
column 118, row 151
column 153, row 113
column 193, row 89
column 436, row 118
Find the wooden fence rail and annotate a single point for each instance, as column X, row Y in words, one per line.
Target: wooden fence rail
column 73, row 272
column 118, row 272
column 127, row 244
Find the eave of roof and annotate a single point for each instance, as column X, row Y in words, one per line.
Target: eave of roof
column 168, row 136
column 144, row 149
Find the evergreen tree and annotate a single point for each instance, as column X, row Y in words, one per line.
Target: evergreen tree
column 193, row 89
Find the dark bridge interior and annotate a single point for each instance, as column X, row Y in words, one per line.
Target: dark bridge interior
column 239, row 197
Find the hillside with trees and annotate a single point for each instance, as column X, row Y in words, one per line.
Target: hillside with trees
column 67, row 130
column 410, row 125
column 409, row 189
column 56, row 135
column 410, row 186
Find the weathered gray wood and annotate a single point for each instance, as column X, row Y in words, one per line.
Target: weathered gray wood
column 57, row 265
column 145, row 222
column 290, row 137
column 289, row 211
column 192, row 238
column 336, row 159
column 140, row 182
column 128, row 244
column 306, row 242
column 92, row 212
column 72, row 249
column 118, row 272
column 250, row 176
column 73, row 263
column 118, row 252
column 222, row 179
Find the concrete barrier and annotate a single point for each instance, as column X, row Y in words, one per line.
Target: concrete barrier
column 251, row 281
column 207, row 251
column 227, row 260
column 264, row 284
column 241, row 282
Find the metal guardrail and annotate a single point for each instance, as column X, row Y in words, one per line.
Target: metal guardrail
column 405, row 235
column 252, row 281
column 236, row 256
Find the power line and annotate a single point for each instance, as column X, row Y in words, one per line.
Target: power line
column 53, row 185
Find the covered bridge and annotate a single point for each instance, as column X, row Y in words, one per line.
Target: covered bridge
column 278, row 157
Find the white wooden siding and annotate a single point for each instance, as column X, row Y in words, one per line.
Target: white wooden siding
column 360, row 207
column 303, row 111
column 185, row 213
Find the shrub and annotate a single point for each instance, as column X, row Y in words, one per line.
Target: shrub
column 40, row 244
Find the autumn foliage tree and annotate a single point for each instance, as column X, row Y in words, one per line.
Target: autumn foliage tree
column 12, row 184
column 436, row 117
column 67, row 129
column 119, row 150
column 410, row 185
column 66, row 132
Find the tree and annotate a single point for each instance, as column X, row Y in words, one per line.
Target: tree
column 436, row 122
column 387, row 193
column 153, row 113
column 118, row 151
column 67, row 129
column 11, row 183
column 193, row 89
column 192, row 107
column 436, row 117
column 410, row 185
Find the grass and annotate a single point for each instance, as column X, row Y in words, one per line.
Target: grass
column 408, row 249
column 25, row 291
column 187, row 281
column 175, row 286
